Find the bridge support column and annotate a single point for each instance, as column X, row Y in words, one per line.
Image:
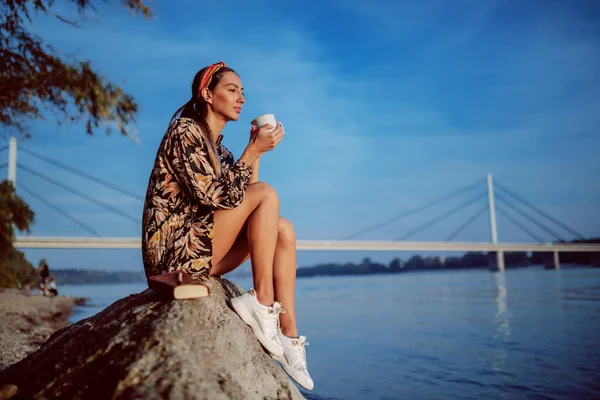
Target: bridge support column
column 492, row 209
column 12, row 161
column 500, row 260
column 496, row 261
column 556, row 260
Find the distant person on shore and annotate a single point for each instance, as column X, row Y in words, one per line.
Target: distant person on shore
column 52, row 290
column 43, row 272
column 205, row 214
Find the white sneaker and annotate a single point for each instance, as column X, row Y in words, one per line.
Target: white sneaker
column 263, row 320
column 293, row 360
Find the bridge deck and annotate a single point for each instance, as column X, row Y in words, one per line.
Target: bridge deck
column 365, row 245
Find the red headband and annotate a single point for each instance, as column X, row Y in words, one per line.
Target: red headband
column 208, row 75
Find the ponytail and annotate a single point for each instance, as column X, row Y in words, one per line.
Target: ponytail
column 196, row 108
column 190, row 110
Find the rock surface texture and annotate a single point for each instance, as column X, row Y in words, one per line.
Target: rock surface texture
column 148, row 347
column 27, row 321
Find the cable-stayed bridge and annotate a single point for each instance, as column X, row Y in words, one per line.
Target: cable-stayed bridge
column 506, row 197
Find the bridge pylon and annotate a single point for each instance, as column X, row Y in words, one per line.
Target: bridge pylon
column 493, row 227
column 12, row 161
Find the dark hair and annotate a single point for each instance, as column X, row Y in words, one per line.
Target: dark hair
column 197, row 108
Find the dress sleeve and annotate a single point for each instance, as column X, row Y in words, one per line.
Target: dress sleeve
column 188, row 156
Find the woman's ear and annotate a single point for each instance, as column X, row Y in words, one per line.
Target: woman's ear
column 206, row 95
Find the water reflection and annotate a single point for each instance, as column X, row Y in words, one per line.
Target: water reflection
column 501, row 320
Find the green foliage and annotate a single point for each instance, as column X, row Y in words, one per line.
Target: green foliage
column 15, row 270
column 14, row 212
column 36, row 81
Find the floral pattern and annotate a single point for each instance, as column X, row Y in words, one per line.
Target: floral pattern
column 183, row 192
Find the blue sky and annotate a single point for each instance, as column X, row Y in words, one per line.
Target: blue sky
column 387, row 106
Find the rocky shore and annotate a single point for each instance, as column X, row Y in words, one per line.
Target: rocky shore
column 151, row 347
column 28, row 320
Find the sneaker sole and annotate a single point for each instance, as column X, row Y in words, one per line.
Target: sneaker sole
column 241, row 309
column 285, row 367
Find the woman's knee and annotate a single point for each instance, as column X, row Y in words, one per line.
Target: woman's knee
column 285, row 232
column 265, row 192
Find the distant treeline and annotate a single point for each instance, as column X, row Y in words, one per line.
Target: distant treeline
column 469, row 260
column 81, row 276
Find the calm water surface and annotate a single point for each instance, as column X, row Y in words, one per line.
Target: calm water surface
column 525, row 334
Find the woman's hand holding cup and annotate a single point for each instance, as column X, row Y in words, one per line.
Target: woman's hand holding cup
column 266, row 136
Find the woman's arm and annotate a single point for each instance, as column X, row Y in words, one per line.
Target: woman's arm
column 255, row 166
column 256, row 162
column 188, row 155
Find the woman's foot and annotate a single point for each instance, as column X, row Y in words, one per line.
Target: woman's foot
column 263, row 320
column 293, row 360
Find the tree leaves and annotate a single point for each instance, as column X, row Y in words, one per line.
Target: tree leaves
column 38, row 83
column 14, row 212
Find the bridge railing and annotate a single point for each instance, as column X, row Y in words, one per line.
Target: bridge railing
column 349, row 243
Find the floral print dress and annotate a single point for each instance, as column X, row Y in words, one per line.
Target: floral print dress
column 183, row 193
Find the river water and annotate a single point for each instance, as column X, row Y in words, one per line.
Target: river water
column 523, row 334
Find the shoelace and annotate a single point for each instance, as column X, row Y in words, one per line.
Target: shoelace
column 300, row 345
column 276, row 309
column 274, row 320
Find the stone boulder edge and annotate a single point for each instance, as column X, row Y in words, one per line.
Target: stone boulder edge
column 145, row 346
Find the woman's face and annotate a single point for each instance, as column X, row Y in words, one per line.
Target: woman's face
column 228, row 97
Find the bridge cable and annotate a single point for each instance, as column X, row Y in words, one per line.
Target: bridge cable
column 537, row 223
column 548, row 216
column 517, row 223
column 3, row 165
column 83, row 174
column 469, row 221
column 3, row 148
column 413, row 211
column 64, row 213
column 441, row 217
column 91, row 199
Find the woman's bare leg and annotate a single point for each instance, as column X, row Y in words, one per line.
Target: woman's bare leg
column 260, row 208
column 236, row 256
column 284, row 271
column 262, row 239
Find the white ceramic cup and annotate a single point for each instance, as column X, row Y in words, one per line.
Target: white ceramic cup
column 265, row 119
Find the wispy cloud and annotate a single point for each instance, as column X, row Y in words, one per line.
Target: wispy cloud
column 428, row 100
column 322, row 145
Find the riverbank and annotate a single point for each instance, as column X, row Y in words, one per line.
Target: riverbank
column 28, row 320
column 149, row 346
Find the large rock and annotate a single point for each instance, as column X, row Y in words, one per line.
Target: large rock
column 148, row 347
column 28, row 320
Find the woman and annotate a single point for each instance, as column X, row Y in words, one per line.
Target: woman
column 207, row 214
